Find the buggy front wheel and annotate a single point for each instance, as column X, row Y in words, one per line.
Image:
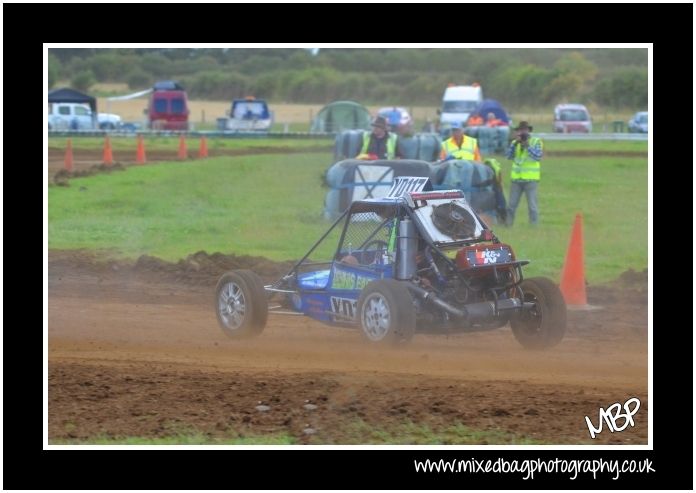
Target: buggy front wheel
column 240, row 304
column 386, row 313
column 544, row 325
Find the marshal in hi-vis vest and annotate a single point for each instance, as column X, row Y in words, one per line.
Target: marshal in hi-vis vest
column 391, row 144
column 466, row 152
column 523, row 167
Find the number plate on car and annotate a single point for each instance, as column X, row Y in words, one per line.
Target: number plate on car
column 488, row 256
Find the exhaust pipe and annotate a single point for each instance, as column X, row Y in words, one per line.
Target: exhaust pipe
column 472, row 312
column 487, row 309
column 432, row 298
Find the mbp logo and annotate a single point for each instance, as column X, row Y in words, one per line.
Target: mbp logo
column 612, row 415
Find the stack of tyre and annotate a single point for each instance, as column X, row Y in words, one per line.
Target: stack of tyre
column 501, row 137
column 347, row 144
column 422, row 146
column 472, row 178
column 491, row 140
column 354, row 179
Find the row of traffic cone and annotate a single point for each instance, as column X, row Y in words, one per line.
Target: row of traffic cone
column 202, row 148
column 108, row 156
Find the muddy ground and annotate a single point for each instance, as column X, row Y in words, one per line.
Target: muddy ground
column 134, row 350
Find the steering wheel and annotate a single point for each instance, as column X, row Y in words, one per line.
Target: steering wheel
column 380, row 246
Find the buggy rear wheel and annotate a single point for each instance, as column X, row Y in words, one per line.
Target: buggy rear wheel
column 240, row 304
column 386, row 312
column 545, row 324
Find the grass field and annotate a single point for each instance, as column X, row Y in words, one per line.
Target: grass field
column 193, row 438
column 599, row 147
column 272, row 206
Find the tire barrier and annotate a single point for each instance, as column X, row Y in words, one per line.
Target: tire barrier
column 474, row 179
column 491, row 140
column 354, row 179
column 422, row 146
column 347, row 144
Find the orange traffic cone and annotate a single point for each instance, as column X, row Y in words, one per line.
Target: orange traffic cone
column 69, row 156
column 108, row 154
column 573, row 279
column 203, row 149
column 140, row 151
column 182, row 147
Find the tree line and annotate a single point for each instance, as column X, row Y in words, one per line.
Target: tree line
column 615, row 78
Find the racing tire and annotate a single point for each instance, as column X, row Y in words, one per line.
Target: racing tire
column 259, row 293
column 545, row 325
column 386, row 313
column 347, row 144
column 241, row 305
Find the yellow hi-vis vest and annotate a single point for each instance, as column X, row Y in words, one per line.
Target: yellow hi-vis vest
column 523, row 167
column 391, row 144
column 466, row 151
column 495, row 166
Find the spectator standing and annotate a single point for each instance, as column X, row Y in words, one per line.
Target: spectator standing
column 526, row 152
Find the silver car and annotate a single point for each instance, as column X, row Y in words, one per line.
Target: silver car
column 639, row 123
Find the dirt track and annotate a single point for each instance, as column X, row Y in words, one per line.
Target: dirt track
column 134, row 350
column 86, row 159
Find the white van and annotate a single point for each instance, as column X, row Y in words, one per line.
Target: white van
column 457, row 104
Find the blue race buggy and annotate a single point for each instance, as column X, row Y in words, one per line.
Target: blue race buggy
column 415, row 261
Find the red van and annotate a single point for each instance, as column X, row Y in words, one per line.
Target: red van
column 168, row 108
